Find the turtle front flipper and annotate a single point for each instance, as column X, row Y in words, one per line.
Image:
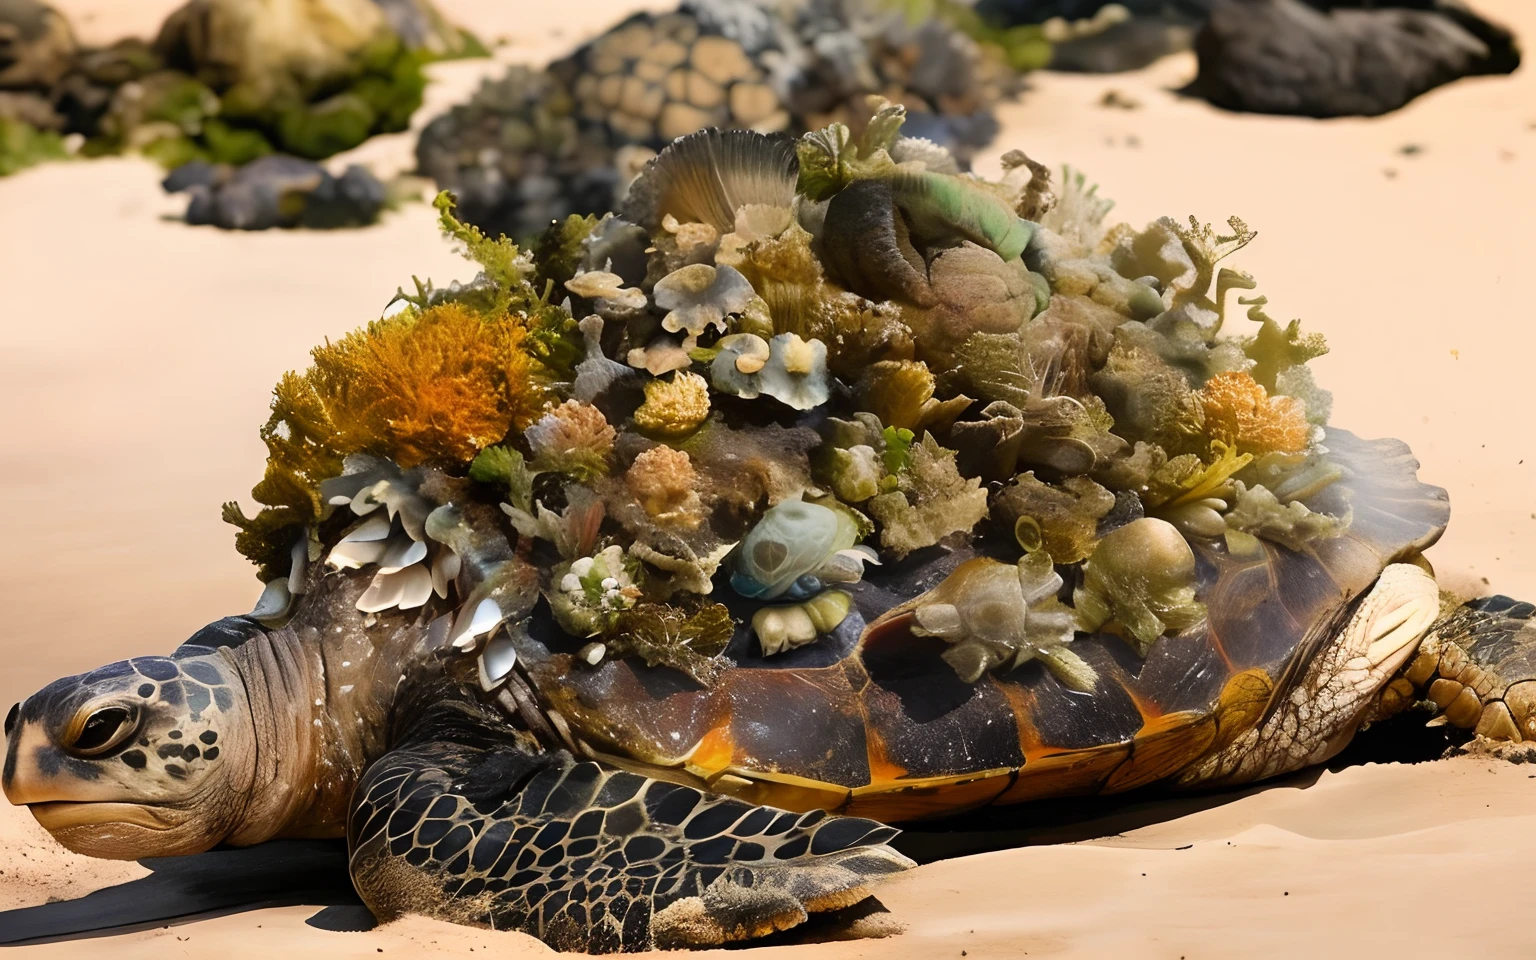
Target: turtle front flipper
column 1477, row 666
column 463, row 823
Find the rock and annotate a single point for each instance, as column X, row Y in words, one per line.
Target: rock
column 1100, row 36
column 36, row 45
column 537, row 146
column 270, row 48
column 32, row 109
column 1284, row 56
column 277, row 191
column 197, row 173
column 420, row 26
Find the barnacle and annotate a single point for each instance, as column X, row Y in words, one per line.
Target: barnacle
column 1258, row 512
column 665, row 483
column 1141, row 580
column 674, row 407
column 931, row 502
column 901, row 394
column 1112, row 422
column 999, row 616
column 587, row 595
column 574, row 439
column 1239, row 413
column 1061, row 518
column 692, row 642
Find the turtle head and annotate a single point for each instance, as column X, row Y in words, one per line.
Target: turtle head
column 144, row 757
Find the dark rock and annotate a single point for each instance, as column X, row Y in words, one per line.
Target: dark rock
column 198, row 173
column 1128, row 45
column 1285, row 56
column 277, row 191
column 1015, row 12
column 200, row 205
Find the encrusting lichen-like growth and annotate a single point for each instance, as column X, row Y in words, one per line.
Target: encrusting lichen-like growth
column 783, row 365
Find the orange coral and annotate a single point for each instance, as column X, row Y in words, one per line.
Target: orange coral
column 573, row 438
column 1239, row 412
column 435, row 385
column 663, row 480
column 438, row 385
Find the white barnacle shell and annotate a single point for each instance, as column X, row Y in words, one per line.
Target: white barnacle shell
column 473, row 623
column 496, row 661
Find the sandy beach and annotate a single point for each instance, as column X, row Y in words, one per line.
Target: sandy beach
column 137, row 356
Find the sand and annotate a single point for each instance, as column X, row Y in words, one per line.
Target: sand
column 136, row 357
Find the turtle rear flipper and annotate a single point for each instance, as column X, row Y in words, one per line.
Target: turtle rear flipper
column 1477, row 666
column 463, row 824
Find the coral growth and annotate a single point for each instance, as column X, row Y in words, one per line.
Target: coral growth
column 840, row 352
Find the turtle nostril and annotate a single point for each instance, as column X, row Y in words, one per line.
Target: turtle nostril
column 10, row 718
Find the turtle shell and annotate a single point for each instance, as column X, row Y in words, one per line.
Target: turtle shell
column 871, row 721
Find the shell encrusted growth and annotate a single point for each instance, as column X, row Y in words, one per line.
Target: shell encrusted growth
column 684, row 433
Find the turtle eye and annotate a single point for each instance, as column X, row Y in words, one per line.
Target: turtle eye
column 103, row 729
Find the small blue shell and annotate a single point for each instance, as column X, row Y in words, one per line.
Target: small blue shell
column 790, row 542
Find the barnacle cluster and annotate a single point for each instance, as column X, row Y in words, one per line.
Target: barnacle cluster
column 714, row 413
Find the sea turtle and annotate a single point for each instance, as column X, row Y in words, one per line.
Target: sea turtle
column 508, row 649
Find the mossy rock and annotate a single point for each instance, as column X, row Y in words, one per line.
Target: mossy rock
column 23, row 145
column 328, row 127
column 234, row 145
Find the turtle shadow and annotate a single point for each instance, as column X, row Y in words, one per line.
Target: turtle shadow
column 217, row 883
